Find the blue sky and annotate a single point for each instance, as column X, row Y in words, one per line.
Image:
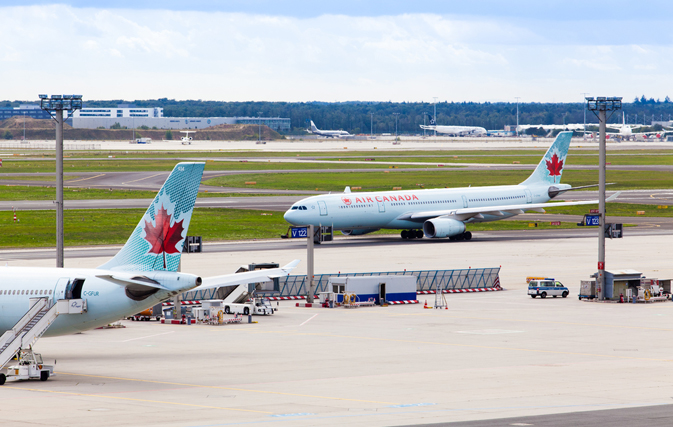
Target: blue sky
column 542, row 51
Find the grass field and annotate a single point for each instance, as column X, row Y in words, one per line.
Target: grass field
column 103, row 227
column 378, row 181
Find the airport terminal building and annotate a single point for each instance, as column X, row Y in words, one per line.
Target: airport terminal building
column 130, row 116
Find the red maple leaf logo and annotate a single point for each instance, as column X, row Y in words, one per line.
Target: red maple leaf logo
column 163, row 237
column 346, row 200
column 555, row 167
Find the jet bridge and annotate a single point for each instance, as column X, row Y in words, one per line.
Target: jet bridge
column 34, row 324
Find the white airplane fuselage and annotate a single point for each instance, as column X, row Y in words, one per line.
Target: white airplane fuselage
column 107, row 299
column 389, row 209
column 457, row 130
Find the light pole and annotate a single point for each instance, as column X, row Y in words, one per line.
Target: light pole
column 584, row 130
column 435, row 118
column 24, row 126
column 371, row 127
column 600, row 106
column 259, row 131
column 55, row 106
column 517, row 115
column 396, row 117
column 424, row 117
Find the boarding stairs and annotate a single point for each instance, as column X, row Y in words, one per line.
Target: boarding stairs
column 34, row 324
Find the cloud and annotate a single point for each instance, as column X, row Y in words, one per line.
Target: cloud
column 139, row 54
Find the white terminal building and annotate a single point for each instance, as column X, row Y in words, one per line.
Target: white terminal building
column 130, row 116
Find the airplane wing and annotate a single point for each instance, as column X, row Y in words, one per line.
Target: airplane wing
column 465, row 214
column 247, row 277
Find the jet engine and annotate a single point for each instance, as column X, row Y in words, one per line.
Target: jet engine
column 359, row 231
column 442, row 227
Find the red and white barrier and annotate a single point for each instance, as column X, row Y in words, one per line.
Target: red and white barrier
column 176, row 321
column 462, row 291
column 286, row 298
column 406, row 301
column 170, row 304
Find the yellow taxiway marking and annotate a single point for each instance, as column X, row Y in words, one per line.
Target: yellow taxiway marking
column 545, row 321
column 84, row 179
column 134, row 399
column 142, row 179
column 228, row 388
column 447, row 344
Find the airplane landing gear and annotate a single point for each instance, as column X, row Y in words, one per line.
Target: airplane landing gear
column 462, row 236
column 412, row 234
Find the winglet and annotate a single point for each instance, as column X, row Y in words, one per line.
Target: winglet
column 291, row 266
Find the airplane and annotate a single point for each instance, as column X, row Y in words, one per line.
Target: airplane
column 327, row 133
column 187, row 140
column 455, row 130
column 142, row 274
column 439, row 213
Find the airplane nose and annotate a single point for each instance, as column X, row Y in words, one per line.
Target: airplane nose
column 288, row 216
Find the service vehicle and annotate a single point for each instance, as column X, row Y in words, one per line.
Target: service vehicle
column 29, row 366
column 547, row 287
column 253, row 306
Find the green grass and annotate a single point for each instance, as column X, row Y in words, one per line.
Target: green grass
column 533, row 159
column 377, row 181
column 113, row 226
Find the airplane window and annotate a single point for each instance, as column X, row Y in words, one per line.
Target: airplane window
column 31, row 291
column 49, row 291
column 294, row 208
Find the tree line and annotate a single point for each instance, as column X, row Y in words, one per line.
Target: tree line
column 364, row 117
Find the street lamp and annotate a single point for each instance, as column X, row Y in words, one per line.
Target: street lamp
column 371, row 127
column 259, row 131
column 517, row 115
column 435, row 117
column 396, row 117
column 584, row 135
column 55, row 105
column 600, row 106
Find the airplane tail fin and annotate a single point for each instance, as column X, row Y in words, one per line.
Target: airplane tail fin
column 314, row 128
column 156, row 242
column 432, row 122
column 550, row 168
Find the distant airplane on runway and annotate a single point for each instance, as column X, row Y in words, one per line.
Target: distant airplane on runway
column 455, row 130
column 327, row 133
column 441, row 212
column 187, row 140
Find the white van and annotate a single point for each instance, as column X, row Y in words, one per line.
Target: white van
column 547, row 287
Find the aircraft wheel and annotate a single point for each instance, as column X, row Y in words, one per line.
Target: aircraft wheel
column 404, row 234
column 452, row 238
column 460, row 237
column 468, row 235
column 419, row 234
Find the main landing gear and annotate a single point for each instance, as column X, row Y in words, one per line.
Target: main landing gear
column 412, row 234
column 463, row 236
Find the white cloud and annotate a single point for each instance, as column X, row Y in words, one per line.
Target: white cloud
column 139, row 54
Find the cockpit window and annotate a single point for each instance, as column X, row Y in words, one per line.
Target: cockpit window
column 294, row 208
column 303, row 208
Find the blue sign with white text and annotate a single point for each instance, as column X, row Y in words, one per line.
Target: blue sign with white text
column 592, row 220
column 299, row 232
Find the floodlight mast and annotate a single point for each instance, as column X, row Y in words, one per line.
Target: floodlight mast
column 55, row 107
column 600, row 106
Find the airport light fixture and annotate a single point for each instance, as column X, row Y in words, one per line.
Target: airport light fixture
column 55, row 105
column 397, row 115
column 259, row 131
column 435, row 99
column 584, row 130
column 371, row 127
column 600, row 106
column 517, row 115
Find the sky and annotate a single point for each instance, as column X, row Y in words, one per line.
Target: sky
column 302, row 51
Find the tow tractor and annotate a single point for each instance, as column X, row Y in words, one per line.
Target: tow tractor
column 253, row 306
column 29, row 366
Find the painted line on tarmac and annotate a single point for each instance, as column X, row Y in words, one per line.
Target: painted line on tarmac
column 309, row 319
column 84, row 179
column 486, row 347
column 136, row 400
column 646, row 328
column 148, row 336
column 229, row 388
column 142, row 179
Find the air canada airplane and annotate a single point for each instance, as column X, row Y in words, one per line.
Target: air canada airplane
column 328, row 133
column 143, row 273
column 438, row 213
column 455, row 130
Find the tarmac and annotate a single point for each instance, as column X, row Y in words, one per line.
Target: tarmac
column 489, row 359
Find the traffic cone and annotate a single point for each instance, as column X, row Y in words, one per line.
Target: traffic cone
column 426, row 304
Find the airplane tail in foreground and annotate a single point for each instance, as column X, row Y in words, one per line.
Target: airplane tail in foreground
column 550, row 168
column 156, row 242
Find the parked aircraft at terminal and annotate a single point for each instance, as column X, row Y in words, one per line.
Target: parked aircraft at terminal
column 328, row 133
column 438, row 213
column 455, row 130
column 142, row 274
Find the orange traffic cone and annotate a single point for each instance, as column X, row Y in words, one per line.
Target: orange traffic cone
column 426, row 304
